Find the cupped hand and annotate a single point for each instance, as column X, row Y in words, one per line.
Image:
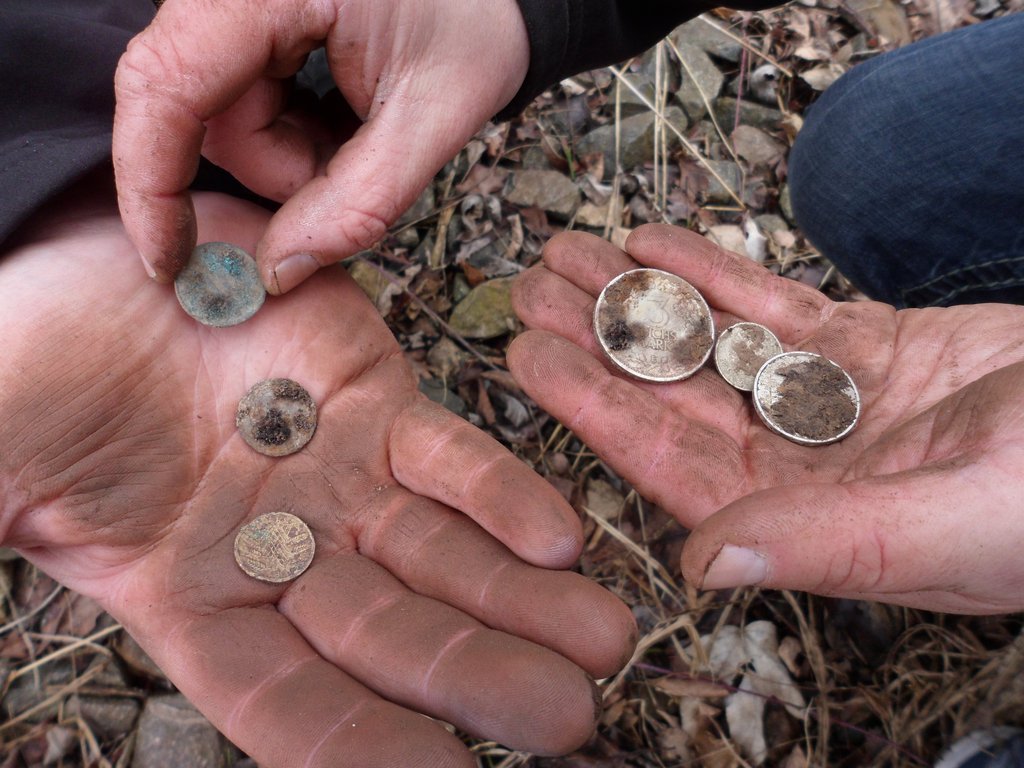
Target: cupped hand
column 124, row 477
column 422, row 76
column 919, row 506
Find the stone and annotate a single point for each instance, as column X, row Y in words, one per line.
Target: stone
column 446, row 358
column 770, row 223
column 550, row 191
column 707, row 79
column 423, row 207
column 436, row 390
column 629, row 102
column 730, row 237
column 486, row 311
column 757, row 115
column 708, row 38
column 730, row 172
column 603, row 500
column 756, row 147
column 637, row 139
column 173, row 734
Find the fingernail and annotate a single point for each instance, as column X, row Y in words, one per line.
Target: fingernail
column 294, row 270
column 149, row 267
column 735, row 567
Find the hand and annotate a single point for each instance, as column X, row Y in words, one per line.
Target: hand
column 124, row 477
column 422, row 76
column 919, row 506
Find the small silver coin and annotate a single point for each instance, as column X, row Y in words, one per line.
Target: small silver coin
column 654, row 325
column 741, row 350
column 806, row 398
column 275, row 547
column 220, row 285
column 277, row 417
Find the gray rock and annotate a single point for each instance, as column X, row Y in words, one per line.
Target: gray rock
column 757, row 147
column 751, row 113
column 536, row 159
column 770, row 222
column 707, row 38
column 731, row 174
column 707, row 80
column 629, row 102
column 423, row 207
column 637, row 137
column 486, row 312
column 439, row 393
column 110, row 717
column 173, row 734
column 550, row 191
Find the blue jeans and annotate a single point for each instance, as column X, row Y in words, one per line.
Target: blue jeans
column 909, row 171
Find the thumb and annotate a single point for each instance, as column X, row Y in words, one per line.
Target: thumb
column 916, row 544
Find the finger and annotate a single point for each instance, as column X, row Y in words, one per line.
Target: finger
column 370, row 181
column 444, row 555
column 251, row 673
column 586, row 260
column 174, row 77
column 899, row 540
column 732, row 283
column 436, row 454
column 257, row 125
column 436, row 659
column 691, row 467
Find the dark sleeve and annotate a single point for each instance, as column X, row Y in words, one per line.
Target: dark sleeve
column 57, row 62
column 572, row 36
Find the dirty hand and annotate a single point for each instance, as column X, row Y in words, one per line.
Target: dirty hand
column 919, row 506
column 124, row 477
column 422, row 76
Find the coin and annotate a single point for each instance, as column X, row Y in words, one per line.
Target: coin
column 806, row 398
column 741, row 350
column 220, row 285
column 275, row 547
column 654, row 325
column 276, row 417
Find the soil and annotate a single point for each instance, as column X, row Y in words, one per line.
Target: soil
column 813, row 400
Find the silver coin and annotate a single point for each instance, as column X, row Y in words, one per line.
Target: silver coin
column 277, row 417
column 654, row 325
column 275, row 547
column 806, row 398
column 741, row 350
column 220, row 285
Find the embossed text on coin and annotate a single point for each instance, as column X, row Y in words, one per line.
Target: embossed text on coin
column 654, row 325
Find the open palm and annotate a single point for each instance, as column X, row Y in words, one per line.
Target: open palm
column 124, row 477
column 919, row 506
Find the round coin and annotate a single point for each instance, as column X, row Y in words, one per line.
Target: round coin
column 275, row 547
column 654, row 325
column 220, row 285
column 276, row 417
column 806, row 398
column 741, row 350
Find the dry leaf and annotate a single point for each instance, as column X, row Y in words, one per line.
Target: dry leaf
column 682, row 687
column 821, row 77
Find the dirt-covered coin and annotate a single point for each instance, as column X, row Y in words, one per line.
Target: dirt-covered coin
column 741, row 350
column 276, row 417
column 806, row 398
column 275, row 547
column 220, row 285
column 654, row 325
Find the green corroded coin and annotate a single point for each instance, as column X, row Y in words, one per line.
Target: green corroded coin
column 220, row 285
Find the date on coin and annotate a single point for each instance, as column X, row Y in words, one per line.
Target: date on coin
column 220, row 285
column 740, row 352
column 806, row 398
column 277, row 417
column 275, row 547
column 654, row 325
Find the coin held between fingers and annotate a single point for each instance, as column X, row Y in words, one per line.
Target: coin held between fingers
column 220, row 285
column 654, row 325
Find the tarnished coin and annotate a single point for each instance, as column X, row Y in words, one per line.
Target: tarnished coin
column 806, row 398
column 275, row 547
column 654, row 325
column 276, row 417
column 741, row 350
column 220, row 285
